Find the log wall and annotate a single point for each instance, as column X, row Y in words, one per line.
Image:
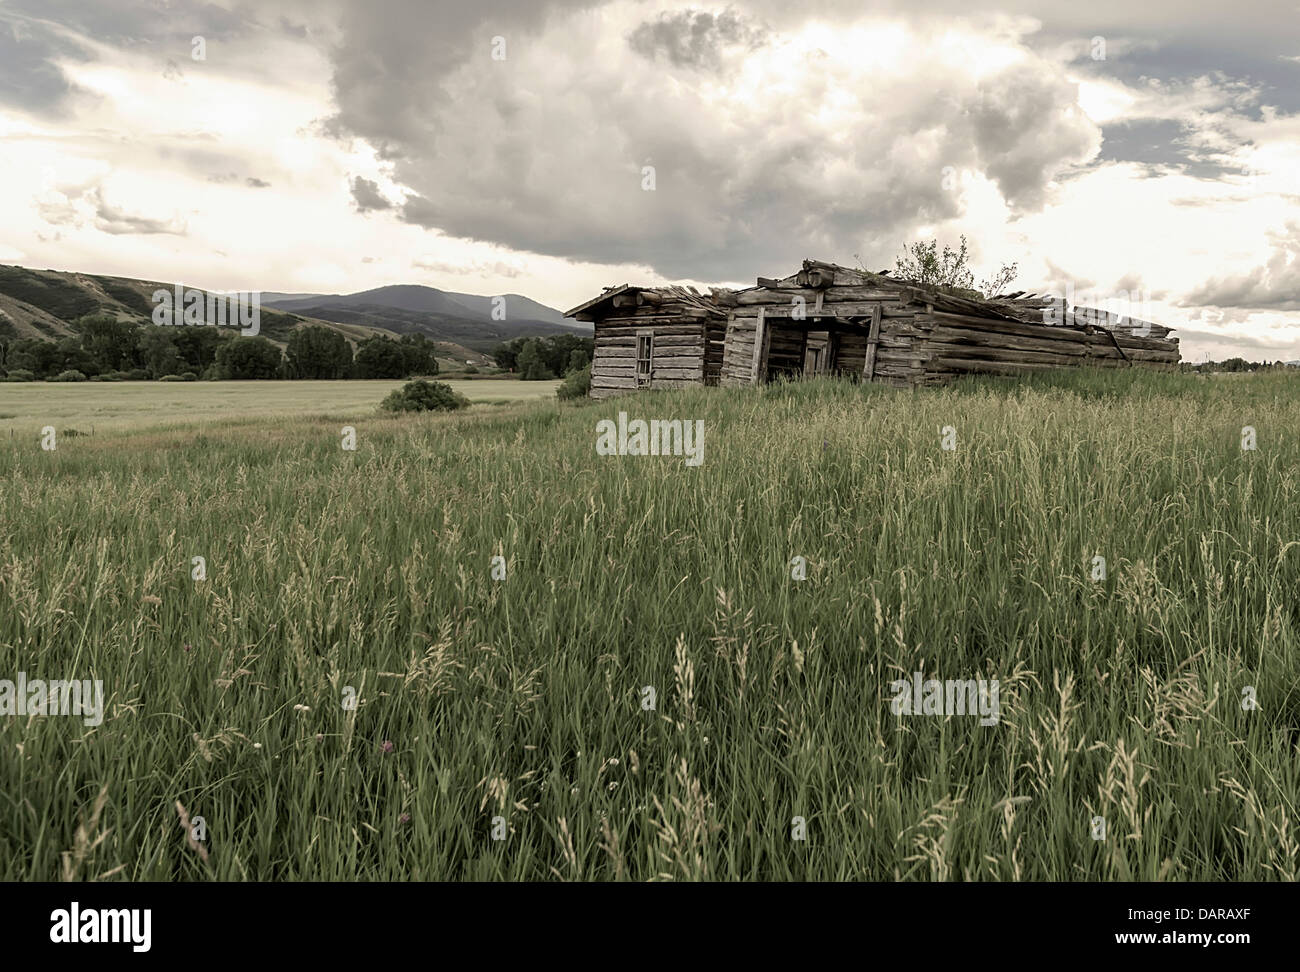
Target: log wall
column 917, row 345
column 687, row 348
column 879, row 329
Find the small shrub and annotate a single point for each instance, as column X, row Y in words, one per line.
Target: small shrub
column 70, row 375
column 424, row 396
column 21, row 374
column 171, row 378
column 137, row 374
column 576, row 384
column 471, row 370
column 189, row 376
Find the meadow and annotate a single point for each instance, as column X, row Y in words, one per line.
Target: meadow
column 650, row 691
column 100, row 406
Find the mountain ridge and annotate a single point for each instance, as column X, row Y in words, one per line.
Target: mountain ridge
column 45, row 303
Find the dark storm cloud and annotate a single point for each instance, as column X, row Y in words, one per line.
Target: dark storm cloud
column 694, row 38
column 27, row 78
column 388, row 69
column 1015, row 118
column 36, row 34
column 367, row 196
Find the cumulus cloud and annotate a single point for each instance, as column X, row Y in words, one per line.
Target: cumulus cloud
column 1273, row 285
column 366, row 195
column 694, row 38
column 119, row 222
column 806, row 145
column 477, row 268
column 86, row 204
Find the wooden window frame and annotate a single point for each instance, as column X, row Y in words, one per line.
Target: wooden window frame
column 644, row 377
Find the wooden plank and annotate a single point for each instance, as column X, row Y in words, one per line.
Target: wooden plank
column 846, row 309
column 873, row 341
column 586, row 305
column 1045, row 332
column 981, row 366
column 667, row 323
column 758, row 347
column 693, row 382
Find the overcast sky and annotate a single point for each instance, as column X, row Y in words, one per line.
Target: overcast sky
column 501, row 146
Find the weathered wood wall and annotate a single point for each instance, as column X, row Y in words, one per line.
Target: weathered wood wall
column 683, row 351
column 917, row 344
column 956, row 344
column 878, row 329
column 738, row 351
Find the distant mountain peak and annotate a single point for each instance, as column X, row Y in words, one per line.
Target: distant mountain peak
column 43, row 303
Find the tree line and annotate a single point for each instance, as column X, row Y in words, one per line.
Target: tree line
column 1234, row 365
column 544, row 358
column 106, row 348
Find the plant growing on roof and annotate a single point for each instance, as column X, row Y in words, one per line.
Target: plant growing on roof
column 949, row 271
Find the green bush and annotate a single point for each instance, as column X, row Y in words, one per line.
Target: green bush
column 70, row 375
column 137, row 374
column 171, row 378
column 21, row 374
column 576, row 384
column 424, row 396
column 189, row 376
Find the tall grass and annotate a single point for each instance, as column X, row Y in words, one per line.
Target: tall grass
column 525, row 699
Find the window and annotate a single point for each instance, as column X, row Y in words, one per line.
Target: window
column 644, row 351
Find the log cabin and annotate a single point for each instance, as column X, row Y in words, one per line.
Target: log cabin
column 830, row 320
column 653, row 337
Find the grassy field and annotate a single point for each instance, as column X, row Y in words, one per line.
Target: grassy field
column 520, row 708
column 26, row 407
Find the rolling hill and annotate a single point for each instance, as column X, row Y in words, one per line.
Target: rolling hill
column 403, row 308
column 45, row 303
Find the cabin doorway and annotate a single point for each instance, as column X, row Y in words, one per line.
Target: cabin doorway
column 817, row 353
